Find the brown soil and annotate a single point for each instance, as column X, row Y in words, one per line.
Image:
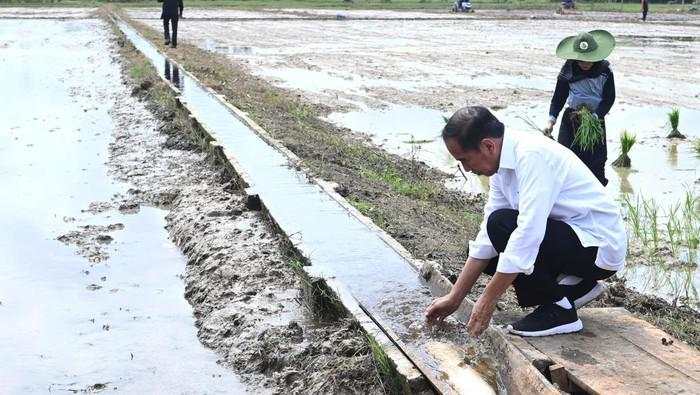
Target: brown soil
column 434, row 223
column 239, row 280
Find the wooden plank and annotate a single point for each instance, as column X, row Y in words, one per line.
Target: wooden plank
column 617, row 353
column 559, row 377
column 649, row 338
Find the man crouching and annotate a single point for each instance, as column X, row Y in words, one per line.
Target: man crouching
column 549, row 228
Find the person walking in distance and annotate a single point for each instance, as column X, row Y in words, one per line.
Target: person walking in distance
column 172, row 11
column 645, row 9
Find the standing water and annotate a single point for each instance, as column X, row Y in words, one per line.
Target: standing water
column 69, row 324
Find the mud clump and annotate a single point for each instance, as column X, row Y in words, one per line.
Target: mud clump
column 129, row 208
column 89, row 240
column 142, row 87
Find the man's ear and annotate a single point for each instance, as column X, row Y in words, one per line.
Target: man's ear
column 488, row 144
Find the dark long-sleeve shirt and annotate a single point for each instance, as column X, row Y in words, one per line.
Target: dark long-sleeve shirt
column 171, row 8
column 594, row 88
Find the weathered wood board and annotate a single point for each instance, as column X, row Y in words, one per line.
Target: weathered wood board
column 617, row 353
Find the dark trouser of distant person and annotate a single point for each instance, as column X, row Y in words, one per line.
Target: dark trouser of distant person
column 645, row 10
column 595, row 159
column 166, row 30
column 561, row 253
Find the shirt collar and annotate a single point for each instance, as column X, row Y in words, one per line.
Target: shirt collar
column 507, row 160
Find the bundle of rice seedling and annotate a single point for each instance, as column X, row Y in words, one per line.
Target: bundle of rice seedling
column 590, row 130
column 627, row 140
column 673, row 117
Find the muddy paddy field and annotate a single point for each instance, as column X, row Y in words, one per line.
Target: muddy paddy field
column 394, row 89
column 136, row 264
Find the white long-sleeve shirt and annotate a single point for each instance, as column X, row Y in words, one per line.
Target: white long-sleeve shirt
column 542, row 179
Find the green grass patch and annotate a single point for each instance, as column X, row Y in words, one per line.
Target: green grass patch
column 369, row 210
column 435, row 5
column 296, row 265
column 139, row 71
column 413, row 189
column 385, row 368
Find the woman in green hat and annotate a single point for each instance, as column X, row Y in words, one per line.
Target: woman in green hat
column 585, row 80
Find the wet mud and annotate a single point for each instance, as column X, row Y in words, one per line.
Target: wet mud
column 240, row 279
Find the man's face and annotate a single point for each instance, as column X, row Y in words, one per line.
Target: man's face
column 482, row 161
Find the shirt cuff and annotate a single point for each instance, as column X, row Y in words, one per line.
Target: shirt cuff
column 552, row 119
column 481, row 251
column 510, row 264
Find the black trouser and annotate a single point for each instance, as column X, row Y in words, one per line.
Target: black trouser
column 166, row 30
column 595, row 159
column 561, row 252
column 645, row 10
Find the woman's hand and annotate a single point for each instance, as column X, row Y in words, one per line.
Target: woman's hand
column 548, row 129
column 441, row 308
column 481, row 316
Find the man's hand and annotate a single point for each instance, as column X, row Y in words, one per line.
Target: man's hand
column 481, row 315
column 441, row 308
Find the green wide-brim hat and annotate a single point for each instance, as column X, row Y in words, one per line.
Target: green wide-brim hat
column 593, row 46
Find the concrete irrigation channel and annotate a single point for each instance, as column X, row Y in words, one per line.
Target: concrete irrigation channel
column 371, row 274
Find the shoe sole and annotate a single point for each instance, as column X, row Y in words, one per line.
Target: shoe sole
column 593, row 294
column 557, row 330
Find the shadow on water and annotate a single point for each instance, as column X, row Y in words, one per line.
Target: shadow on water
column 338, row 244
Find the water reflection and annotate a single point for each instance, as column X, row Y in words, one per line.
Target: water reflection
column 677, row 285
column 625, row 185
column 175, row 76
column 673, row 155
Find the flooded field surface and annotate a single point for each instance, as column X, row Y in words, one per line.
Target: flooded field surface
column 416, row 66
column 397, row 89
column 91, row 296
column 44, row 13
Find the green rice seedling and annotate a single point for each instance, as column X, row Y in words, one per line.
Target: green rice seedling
column 673, row 228
column 633, row 217
column 673, row 118
column 651, row 214
column 590, row 130
column 627, row 140
column 696, row 146
column 691, row 220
